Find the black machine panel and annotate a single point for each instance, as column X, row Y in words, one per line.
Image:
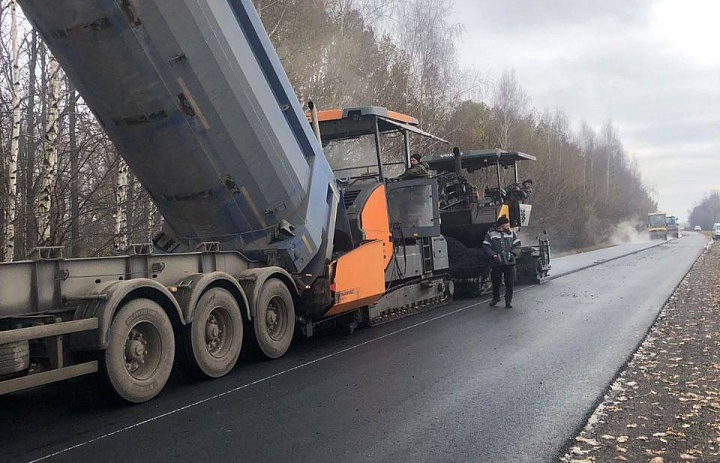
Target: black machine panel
column 413, row 212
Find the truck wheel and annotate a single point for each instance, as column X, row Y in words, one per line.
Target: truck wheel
column 14, row 357
column 141, row 350
column 274, row 322
column 216, row 333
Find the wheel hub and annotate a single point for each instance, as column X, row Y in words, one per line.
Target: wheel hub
column 271, row 318
column 135, row 350
column 276, row 318
column 213, row 333
column 219, row 332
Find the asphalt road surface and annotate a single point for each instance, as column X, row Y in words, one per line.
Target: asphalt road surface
column 465, row 382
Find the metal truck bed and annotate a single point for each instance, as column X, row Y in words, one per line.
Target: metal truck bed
column 194, row 97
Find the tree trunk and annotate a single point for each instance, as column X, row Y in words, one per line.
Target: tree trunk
column 31, row 144
column 14, row 141
column 151, row 212
column 607, row 175
column 74, row 175
column 132, row 208
column 50, row 154
column 120, row 242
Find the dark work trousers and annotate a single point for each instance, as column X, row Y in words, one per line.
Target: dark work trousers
column 496, row 274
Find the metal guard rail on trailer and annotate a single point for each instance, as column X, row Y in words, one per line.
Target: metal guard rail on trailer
column 60, row 372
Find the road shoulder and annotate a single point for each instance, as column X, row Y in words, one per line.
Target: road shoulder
column 665, row 406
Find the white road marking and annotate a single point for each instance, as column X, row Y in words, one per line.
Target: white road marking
column 244, row 386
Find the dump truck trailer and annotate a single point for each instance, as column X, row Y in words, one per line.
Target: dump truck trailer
column 259, row 235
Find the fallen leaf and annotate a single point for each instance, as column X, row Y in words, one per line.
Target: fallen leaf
column 587, row 441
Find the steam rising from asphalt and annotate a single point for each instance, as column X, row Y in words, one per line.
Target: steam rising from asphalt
column 629, row 232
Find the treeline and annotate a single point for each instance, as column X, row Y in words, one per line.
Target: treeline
column 706, row 212
column 64, row 183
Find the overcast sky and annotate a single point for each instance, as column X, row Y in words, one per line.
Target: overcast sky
column 652, row 67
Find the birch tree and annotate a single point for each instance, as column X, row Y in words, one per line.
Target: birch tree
column 428, row 39
column 509, row 106
column 75, row 175
column 120, row 241
column 50, row 154
column 587, row 145
column 12, row 167
column 27, row 184
column 612, row 147
column 151, row 220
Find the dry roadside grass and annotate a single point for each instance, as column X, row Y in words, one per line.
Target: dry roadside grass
column 665, row 406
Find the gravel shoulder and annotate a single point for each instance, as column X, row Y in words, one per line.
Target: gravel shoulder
column 665, row 406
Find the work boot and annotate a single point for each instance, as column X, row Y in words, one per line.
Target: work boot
column 494, row 302
column 508, row 305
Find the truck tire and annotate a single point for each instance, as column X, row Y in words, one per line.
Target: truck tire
column 14, row 358
column 141, row 350
column 274, row 322
column 215, row 336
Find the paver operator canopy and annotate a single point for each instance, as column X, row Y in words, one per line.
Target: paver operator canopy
column 199, row 106
column 370, row 142
column 478, row 160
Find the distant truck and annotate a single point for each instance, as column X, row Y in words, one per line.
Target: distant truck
column 673, row 227
column 716, row 231
column 657, row 226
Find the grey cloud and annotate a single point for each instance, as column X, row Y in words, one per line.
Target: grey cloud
column 538, row 14
column 681, row 133
column 644, row 90
column 681, row 153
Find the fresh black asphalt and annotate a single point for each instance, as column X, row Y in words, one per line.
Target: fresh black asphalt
column 465, row 382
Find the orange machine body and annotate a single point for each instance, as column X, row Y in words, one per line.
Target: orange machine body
column 358, row 277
